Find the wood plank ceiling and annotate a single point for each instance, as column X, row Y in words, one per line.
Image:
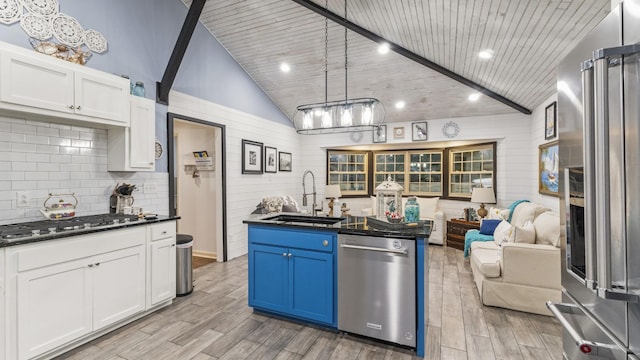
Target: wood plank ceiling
column 528, row 39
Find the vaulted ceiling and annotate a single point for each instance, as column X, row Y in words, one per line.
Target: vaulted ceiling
column 528, row 39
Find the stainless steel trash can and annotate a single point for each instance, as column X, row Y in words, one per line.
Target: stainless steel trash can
column 184, row 269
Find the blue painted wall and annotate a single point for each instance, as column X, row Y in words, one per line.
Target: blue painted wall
column 141, row 36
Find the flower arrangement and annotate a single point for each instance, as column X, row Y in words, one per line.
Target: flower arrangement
column 394, row 217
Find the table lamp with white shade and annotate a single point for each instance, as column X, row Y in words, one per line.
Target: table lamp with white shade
column 332, row 192
column 483, row 195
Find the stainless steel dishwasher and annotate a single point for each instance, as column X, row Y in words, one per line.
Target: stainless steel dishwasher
column 377, row 288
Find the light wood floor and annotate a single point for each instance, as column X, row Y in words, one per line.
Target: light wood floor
column 198, row 261
column 216, row 323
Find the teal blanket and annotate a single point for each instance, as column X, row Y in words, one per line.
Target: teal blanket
column 474, row 235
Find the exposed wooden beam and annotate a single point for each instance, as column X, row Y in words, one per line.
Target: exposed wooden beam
column 190, row 22
column 410, row 55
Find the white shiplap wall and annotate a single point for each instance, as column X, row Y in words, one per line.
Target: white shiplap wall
column 514, row 154
column 245, row 191
column 42, row 157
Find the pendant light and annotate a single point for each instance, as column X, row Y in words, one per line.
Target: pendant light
column 346, row 115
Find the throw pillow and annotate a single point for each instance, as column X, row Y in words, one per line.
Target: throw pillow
column 526, row 212
column 497, row 213
column 525, row 234
column 547, row 227
column 428, row 207
column 503, row 233
column 488, row 226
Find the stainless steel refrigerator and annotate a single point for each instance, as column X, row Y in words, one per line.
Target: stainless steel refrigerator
column 599, row 133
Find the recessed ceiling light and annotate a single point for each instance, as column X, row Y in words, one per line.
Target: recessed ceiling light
column 474, row 97
column 284, row 67
column 400, row 105
column 383, row 48
column 486, row 54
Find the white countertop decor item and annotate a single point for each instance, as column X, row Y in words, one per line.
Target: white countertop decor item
column 10, row 11
column 42, row 7
column 67, row 30
column 95, row 41
column 36, row 26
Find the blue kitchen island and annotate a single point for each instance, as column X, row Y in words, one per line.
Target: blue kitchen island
column 294, row 272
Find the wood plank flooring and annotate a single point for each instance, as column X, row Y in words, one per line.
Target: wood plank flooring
column 198, row 261
column 215, row 323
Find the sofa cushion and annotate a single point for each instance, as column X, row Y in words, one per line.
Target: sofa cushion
column 547, row 227
column 503, row 233
column 497, row 213
column 428, row 207
column 526, row 211
column 524, row 234
column 487, row 260
column 488, row 226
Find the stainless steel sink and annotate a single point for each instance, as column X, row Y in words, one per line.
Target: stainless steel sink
column 305, row 219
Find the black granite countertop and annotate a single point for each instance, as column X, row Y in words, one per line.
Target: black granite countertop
column 65, row 234
column 355, row 225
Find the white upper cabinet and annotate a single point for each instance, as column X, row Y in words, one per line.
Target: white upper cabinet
column 133, row 148
column 46, row 88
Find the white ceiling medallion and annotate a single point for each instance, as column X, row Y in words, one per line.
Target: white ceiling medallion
column 10, row 11
column 450, row 130
column 42, row 7
column 95, row 41
column 68, row 30
column 36, row 26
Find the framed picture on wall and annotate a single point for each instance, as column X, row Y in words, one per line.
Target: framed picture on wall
column 380, row 134
column 252, row 158
column 548, row 163
column 550, row 123
column 270, row 159
column 284, row 162
column 419, row 131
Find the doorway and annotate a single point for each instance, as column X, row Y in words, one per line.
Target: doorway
column 197, row 193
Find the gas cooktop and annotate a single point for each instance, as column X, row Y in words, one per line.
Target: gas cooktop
column 20, row 231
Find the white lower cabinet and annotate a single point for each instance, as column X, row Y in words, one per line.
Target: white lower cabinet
column 3, row 305
column 163, row 270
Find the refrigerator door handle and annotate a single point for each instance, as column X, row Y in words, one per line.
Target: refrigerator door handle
column 585, row 346
column 588, row 143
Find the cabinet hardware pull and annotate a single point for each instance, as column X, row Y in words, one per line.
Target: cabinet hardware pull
column 97, row 264
column 173, row 245
column 90, row 265
column 325, row 243
column 78, row 107
column 163, row 233
column 289, row 255
column 284, row 254
column 71, row 107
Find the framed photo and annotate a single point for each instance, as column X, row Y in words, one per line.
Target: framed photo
column 270, row 161
column 548, row 163
column 284, row 162
column 380, row 134
column 252, row 158
column 398, row 133
column 419, row 131
column 550, row 123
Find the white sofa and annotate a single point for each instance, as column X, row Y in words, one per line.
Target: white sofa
column 428, row 211
column 521, row 276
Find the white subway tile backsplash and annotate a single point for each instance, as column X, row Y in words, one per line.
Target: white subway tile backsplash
column 36, row 175
column 47, row 131
column 16, row 176
column 69, row 150
column 48, row 167
column 23, row 129
column 71, row 134
column 49, row 149
column 18, row 147
column 59, row 141
column 5, row 185
column 5, row 146
column 58, row 176
column 60, row 158
column 4, row 126
column 23, row 185
column 60, row 126
column 37, row 139
column 36, row 157
column 80, row 143
column 23, row 166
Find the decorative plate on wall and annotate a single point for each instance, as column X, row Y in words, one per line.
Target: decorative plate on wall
column 42, row 7
column 450, row 129
column 36, row 26
column 159, row 149
column 10, row 11
column 67, row 29
column 95, row 41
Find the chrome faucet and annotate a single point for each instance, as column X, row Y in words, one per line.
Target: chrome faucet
column 304, row 192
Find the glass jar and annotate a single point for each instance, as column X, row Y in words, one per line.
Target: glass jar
column 412, row 210
column 138, row 90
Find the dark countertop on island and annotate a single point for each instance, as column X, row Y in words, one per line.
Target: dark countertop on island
column 355, row 225
column 65, row 234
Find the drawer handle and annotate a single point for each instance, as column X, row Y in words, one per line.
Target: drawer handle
column 284, row 254
column 71, row 107
column 173, row 245
column 325, row 243
column 289, row 255
column 90, row 265
column 78, row 107
column 164, row 232
column 97, row 264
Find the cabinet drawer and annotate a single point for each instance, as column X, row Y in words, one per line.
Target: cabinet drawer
column 294, row 238
column 163, row 230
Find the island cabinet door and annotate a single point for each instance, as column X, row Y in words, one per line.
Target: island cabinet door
column 268, row 277
column 311, row 279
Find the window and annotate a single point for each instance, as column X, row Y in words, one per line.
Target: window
column 349, row 170
column 448, row 173
column 470, row 167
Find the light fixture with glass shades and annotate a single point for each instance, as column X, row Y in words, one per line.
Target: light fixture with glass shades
column 346, row 115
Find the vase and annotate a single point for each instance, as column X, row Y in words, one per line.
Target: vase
column 412, row 210
column 138, row 89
